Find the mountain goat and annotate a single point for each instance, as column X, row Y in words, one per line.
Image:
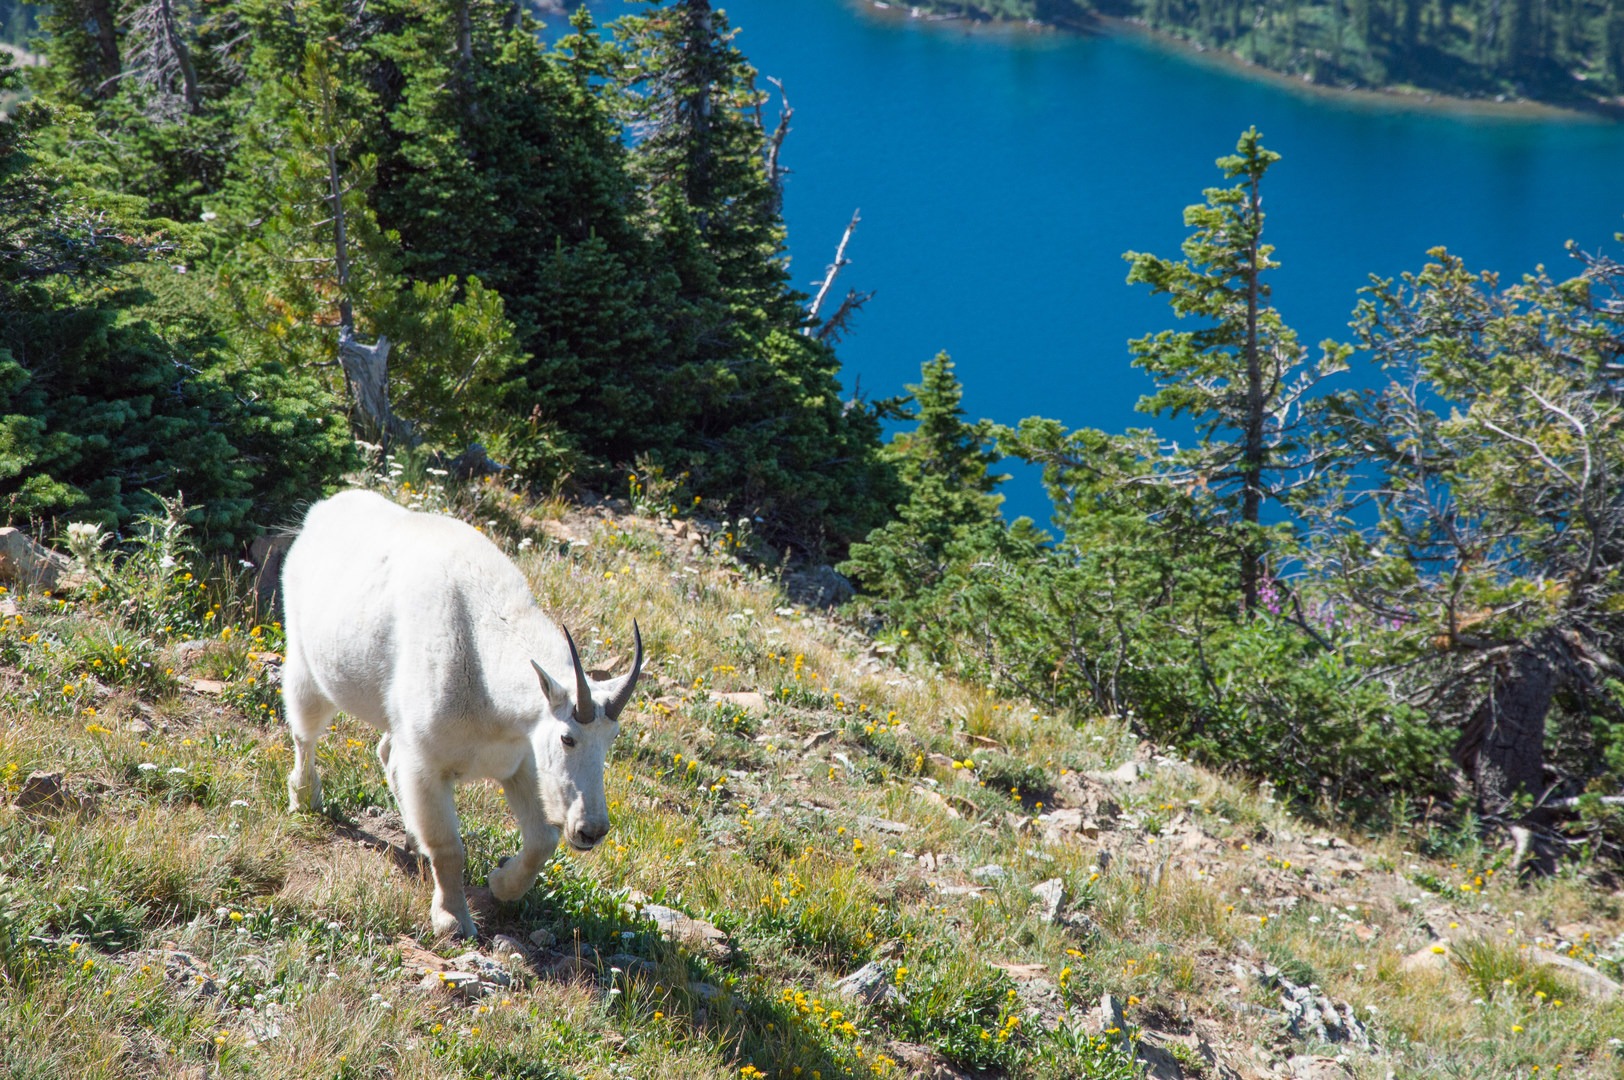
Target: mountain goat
column 418, row 625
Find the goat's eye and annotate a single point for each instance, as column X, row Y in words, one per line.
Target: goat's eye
column 569, row 740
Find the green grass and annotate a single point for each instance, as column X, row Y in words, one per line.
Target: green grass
column 847, row 821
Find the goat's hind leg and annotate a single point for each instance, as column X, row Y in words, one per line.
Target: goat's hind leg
column 308, row 713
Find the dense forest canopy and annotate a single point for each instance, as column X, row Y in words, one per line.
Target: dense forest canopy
column 570, row 256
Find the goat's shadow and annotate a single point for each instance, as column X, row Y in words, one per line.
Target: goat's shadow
column 382, row 830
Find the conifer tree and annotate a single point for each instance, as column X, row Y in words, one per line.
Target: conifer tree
column 1241, row 377
column 310, row 272
column 944, row 465
column 114, row 388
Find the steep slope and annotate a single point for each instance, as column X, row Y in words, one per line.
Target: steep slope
column 824, row 864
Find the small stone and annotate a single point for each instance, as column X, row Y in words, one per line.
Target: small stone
column 1049, row 894
column 484, row 968
column 1314, row 1067
column 23, row 562
column 466, row 983
column 922, row 1061
column 1109, row 1015
column 1590, row 980
column 1126, row 773
column 1434, row 957
column 704, row 991
column 866, row 984
column 505, row 947
column 749, row 700
column 684, row 929
column 989, row 872
column 46, row 791
column 812, row 742
column 542, row 939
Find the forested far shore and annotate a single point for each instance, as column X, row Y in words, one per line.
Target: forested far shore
column 1563, row 52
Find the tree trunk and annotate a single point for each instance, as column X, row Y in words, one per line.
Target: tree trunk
column 182, row 55
column 1502, row 747
column 1252, row 447
column 700, row 64
column 101, row 15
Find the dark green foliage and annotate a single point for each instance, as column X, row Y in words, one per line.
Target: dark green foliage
column 111, row 393
column 575, row 254
column 951, row 512
column 1240, row 376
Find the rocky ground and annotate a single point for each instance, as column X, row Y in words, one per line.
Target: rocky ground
column 828, row 860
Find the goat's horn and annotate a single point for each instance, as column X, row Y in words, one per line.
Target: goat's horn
column 585, row 710
column 624, row 695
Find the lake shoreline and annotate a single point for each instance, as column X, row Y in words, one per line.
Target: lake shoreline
column 1597, row 110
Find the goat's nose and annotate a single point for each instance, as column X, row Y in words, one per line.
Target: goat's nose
column 590, row 833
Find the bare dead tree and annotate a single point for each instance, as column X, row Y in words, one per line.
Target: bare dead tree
column 158, row 59
column 366, row 367
column 774, row 145
column 838, row 325
column 840, row 263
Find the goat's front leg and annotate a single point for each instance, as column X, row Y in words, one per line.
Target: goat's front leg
column 430, row 814
column 513, row 878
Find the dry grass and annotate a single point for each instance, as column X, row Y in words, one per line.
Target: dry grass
column 822, row 831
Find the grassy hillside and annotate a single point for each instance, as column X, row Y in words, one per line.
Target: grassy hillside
column 988, row 872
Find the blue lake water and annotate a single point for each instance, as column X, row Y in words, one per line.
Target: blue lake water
column 1001, row 175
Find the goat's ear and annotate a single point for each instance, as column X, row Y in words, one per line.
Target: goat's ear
column 556, row 694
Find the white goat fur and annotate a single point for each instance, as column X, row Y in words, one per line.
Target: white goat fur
column 418, row 625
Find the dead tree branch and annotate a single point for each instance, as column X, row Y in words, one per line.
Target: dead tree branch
column 775, row 145
column 839, row 324
column 834, row 271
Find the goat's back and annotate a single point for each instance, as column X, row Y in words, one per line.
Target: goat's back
column 388, row 608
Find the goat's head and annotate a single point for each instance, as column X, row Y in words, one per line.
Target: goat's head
column 572, row 744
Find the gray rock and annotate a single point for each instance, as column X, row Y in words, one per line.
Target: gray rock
column 189, row 974
column 31, row 565
column 1314, row 1067
column 683, row 929
column 923, row 1062
column 1311, row 1015
column 505, row 948
column 1590, row 980
column 542, row 939
column 1110, row 1015
column 466, row 983
column 748, row 700
column 487, row 969
column 44, row 791
column 867, row 984
column 990, row 872
column 1159, row 1062
column 1050, row 895
column 1126, row 773
column 706, row 992
column 631, row 965
column 819, row 587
